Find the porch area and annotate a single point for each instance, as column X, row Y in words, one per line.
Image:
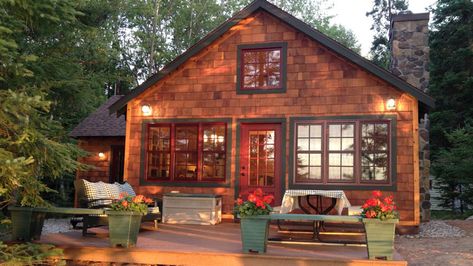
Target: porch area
column 205, row 245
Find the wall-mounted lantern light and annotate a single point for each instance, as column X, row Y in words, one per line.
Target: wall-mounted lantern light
column 101, row 155
column 146, row 109
column 391, row 104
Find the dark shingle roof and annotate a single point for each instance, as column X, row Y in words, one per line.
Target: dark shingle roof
column 101, row 123
column 331, row 44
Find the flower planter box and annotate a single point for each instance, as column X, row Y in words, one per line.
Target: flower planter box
column 380, row 238
column 27, row 223
column 254, row 233
column 123, row 228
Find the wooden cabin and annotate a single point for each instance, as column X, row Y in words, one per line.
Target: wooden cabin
column 267, row 101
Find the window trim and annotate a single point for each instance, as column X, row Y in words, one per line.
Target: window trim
column 177, row 183
column 392, row 154
column 240, row 48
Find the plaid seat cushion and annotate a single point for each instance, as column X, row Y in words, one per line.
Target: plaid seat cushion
column 96, row 194
column 125, row 187
column 112, row 190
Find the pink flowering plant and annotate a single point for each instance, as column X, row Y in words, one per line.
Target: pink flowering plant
column 379, row 207
column 138, row 203
column 256, row 204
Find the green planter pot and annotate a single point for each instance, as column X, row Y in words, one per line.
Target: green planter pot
column 123, row 228
column 27, row 223
column 380, row 237
column 254, row 233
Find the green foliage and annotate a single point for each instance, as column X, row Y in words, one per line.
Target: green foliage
column 30, row 254
column 453, row 169
column 451, row 69
column 30, row 148
column 449, row 215
column 381, row 16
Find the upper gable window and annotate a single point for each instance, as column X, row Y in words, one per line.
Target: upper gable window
column 262, row 68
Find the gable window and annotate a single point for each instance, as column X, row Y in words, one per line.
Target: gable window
column 349, row 152
column 261, row 68
column 190, row 152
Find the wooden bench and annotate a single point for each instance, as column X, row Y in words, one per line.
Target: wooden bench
column 318, row 220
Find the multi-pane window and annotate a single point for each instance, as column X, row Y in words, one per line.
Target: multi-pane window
column 159, row 152
column 186, row 152
column 309, row 153
column 341, row 151
column 374, row 151
column 351, row 152
column 261, row 68
column 213, row 152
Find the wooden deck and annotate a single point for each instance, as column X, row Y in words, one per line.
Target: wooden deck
column 205, row 245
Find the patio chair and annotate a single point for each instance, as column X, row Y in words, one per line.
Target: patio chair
column 100, row 195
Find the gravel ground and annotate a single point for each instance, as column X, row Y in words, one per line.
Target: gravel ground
column 56, row 226
column 439, row 243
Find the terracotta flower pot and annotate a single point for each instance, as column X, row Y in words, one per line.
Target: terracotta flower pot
column 380, row 237
column 254, row 233
column 27, row 222
column 123, row 228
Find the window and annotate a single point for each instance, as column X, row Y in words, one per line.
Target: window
column 186, row 152
column 349, row 152
column 262, row 68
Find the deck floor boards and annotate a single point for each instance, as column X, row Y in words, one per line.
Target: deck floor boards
column 204, row 245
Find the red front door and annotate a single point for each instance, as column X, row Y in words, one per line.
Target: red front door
column 260, row 159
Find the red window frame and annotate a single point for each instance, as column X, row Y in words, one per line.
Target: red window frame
column 172, row 168
column 357, row 153
column 264, row 75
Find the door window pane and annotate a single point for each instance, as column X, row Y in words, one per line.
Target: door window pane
column 261, row 151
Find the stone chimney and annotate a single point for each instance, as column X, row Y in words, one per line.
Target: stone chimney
column 409, row 38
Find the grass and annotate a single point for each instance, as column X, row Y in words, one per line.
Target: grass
column 450, row 215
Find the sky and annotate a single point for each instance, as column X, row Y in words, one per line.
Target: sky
column 351, row 14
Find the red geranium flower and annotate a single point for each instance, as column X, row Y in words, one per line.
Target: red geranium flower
column 268, row 199
column 258, row 192
column 377, row 193
column 125, row 203
column 252, row 197
column 239, row 201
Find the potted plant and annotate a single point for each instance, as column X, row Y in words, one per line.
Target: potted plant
column 254, row 222
column 380, row 219
column 28, row 211
column 124, row 219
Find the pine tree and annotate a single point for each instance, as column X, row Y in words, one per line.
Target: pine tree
column 381, row 16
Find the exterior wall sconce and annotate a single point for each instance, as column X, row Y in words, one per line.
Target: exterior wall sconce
column 101, row 155
column 146, row 109
column 391, row 104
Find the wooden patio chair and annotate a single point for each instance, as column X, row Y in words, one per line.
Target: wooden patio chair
column 102, row 200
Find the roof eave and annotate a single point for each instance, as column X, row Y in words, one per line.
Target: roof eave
column 293, row 22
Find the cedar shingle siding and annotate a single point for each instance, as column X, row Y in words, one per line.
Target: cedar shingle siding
column 320, row 83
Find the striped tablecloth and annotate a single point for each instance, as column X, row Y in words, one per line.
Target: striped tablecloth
column 290, row 202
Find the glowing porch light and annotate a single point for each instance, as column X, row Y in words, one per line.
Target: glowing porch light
column 391, row 104
column 146, row 109
column 101, row 155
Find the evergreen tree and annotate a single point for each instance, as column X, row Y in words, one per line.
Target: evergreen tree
column 451, row 84
column 381, row 16
column 453, row 169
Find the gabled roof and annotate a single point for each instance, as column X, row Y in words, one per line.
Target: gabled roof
column 101, row 123
column 295, row 23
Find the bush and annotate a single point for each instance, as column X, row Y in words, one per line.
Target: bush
column 30, row 254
